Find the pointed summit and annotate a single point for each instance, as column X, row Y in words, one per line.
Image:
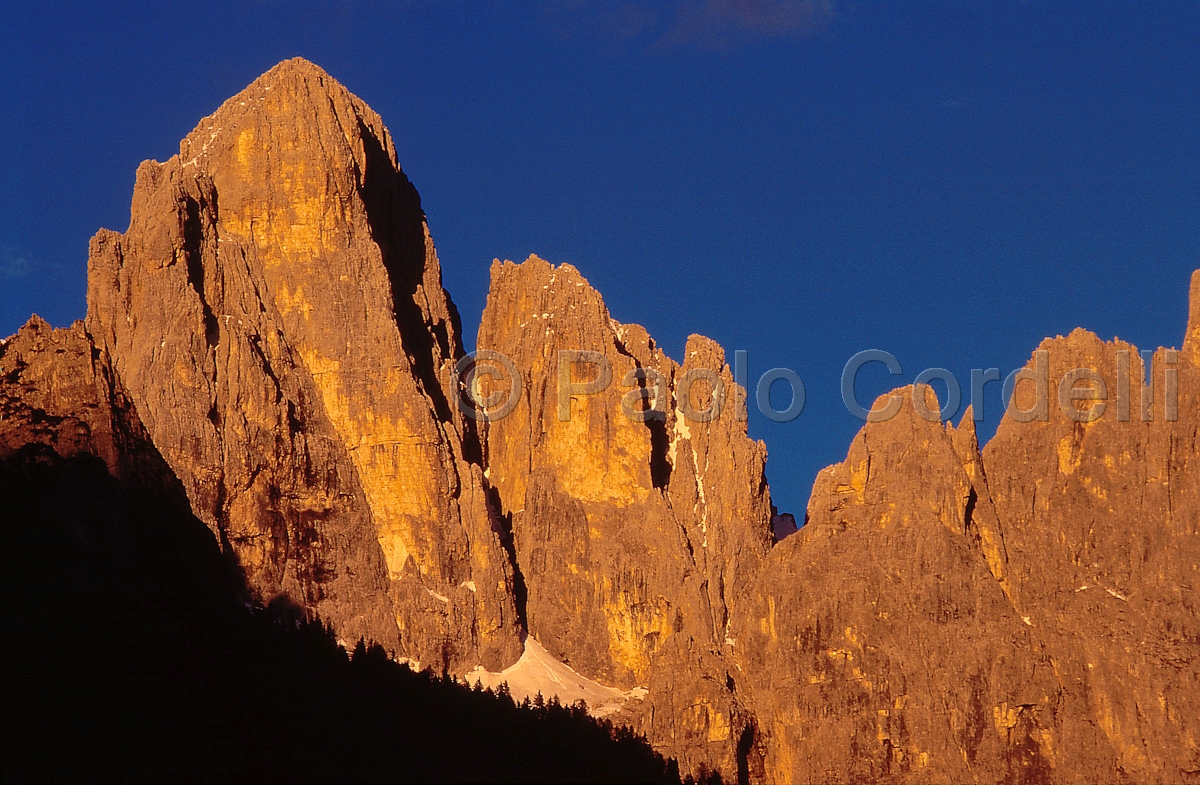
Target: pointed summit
column 276, row 312
column 294, row 67
column 294, row 108
column 966, row 443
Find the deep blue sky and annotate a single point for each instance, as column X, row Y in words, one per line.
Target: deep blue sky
column 948, row 181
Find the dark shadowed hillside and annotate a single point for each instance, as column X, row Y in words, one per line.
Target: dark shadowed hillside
column 130, row 657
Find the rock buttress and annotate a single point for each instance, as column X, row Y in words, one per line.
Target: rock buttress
column 880, row 646
column 1101, row 519
column 635, row 536
column 60, row 400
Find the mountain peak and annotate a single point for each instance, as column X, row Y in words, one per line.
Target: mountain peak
column 296, row 108
column 294, row 66
column 276, row 311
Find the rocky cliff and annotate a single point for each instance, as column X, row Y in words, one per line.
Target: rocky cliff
column 59, row 399
column 275, row 311
column 638, row 505
column 269, row 348
column 1100, row 512
column 882, row 646
column 1025, row 615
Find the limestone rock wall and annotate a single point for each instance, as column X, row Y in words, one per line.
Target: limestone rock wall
column 1101, row 520
column 59, row 399
column 880, row 647
column 1024, row 615
column 635, row 536
column 275, row 310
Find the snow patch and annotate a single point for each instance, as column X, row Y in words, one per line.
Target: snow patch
column 618, row 328
column 538, row 671
column 682, row 431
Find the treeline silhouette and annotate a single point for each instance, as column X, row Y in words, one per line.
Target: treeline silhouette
column 131, row 656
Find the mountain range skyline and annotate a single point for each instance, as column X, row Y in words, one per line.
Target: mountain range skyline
column 799, row 180
column 259, row 429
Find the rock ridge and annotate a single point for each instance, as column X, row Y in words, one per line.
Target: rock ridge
column 270, row 346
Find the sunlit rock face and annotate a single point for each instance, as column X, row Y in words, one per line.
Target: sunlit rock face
column 880, row 646
column 275, row 311
column 636, row 536
column 1100, row 514
column 1024, row 615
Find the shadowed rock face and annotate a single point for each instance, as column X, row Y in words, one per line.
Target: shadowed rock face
column 275, row 311
column 59, row 399
column 635, row 539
